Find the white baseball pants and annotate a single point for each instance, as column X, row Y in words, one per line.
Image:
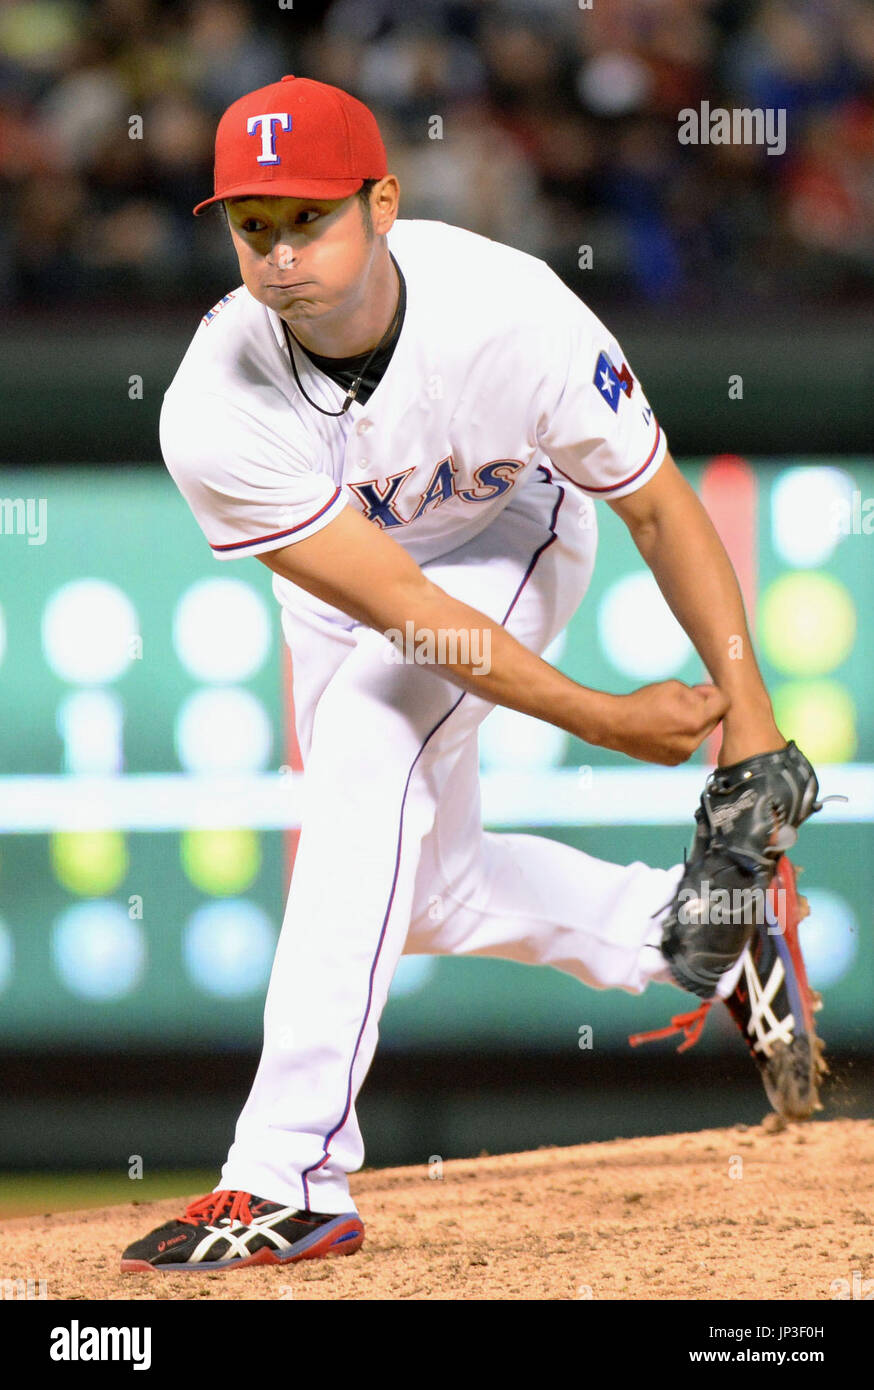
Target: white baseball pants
column 391, row 823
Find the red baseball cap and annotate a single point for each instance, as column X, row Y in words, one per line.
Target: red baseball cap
column 296, row 139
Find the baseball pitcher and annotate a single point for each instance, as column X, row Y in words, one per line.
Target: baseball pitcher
column 409, row 425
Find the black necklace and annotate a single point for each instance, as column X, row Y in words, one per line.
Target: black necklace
column 353, row 389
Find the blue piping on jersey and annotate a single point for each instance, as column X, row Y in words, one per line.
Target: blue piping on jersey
column 275, row 536
column 553, row 536
column 625, row 481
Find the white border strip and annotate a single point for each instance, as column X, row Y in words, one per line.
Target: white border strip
column 273, row 801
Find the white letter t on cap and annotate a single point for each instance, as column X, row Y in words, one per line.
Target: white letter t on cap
column 269, row 124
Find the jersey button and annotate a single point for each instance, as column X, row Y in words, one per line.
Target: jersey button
column 363, row 426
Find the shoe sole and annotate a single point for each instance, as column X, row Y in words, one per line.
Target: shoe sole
column 343, row 1236
column 793, row 1073
column 792, row 1077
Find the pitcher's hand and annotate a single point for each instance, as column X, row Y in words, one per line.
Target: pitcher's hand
column 666, row 722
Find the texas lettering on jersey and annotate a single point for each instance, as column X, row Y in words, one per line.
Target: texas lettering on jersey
column 380, row 499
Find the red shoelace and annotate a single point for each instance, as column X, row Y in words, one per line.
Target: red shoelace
column 206, row 1211
column 691, row 1024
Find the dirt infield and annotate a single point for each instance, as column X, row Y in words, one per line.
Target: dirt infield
column 741, row 1213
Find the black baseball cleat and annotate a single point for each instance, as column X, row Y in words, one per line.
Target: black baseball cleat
column 772, row 1005
column 233, row 1230
column 724, row 884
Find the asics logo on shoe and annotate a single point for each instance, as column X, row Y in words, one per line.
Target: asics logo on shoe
column 765, row 1023
column 165, row 1244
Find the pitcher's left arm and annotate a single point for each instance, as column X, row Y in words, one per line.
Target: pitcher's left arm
column 678, row 541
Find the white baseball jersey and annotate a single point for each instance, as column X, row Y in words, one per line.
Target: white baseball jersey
column 498, row 368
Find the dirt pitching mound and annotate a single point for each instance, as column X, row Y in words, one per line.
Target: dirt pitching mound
column 741, row 1213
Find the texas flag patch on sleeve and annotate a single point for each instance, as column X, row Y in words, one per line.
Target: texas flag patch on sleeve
column 612, row 383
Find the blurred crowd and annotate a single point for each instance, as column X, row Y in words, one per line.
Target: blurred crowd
column 547, row 124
